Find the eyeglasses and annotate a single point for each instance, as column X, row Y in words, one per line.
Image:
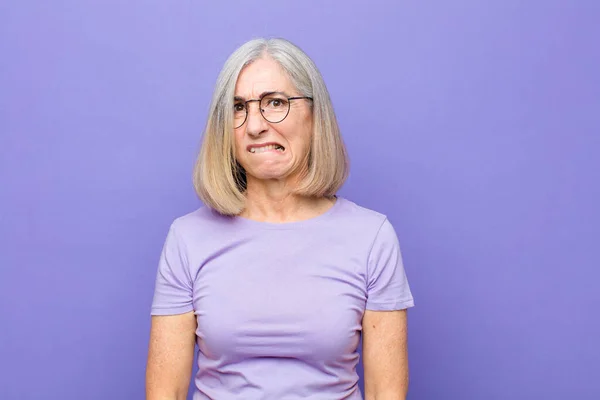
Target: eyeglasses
column 274, row 107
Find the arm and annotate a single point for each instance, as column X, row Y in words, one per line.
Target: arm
column 170, row 356
column 385, row 357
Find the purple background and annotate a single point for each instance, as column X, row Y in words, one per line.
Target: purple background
column 474, row 125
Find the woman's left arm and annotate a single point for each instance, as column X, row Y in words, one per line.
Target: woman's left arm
column 385, row 355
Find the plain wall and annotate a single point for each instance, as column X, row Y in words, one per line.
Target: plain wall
column 474, row 125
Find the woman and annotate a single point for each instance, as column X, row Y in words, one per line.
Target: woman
column 277, row 279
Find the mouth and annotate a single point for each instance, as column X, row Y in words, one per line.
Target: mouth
column 262, row 148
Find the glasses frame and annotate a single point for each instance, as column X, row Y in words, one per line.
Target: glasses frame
column 289, row 99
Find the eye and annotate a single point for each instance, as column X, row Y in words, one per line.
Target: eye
column 238, row 107
column 275, row 103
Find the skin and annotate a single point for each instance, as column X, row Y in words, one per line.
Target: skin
column 271, row 177
column 385, row 355
column 170, row 356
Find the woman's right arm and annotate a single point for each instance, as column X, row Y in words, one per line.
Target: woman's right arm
column 170, row 356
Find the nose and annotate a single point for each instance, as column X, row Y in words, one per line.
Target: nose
column 256, row 124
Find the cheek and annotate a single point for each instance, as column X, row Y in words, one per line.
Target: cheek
column 304, row 138
column 306, row 132
column 238, row 139
column 298, row 133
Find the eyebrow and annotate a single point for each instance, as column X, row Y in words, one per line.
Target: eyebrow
column 242, row 99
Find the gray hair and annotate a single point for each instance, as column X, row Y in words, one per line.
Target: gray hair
column 218, row 180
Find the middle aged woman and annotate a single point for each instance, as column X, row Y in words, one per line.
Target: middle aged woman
column 277, row 278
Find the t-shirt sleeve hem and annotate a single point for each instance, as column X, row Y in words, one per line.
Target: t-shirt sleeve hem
column 171, row 310
column 390, row 305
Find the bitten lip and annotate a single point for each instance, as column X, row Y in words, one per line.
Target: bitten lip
column 260, row 145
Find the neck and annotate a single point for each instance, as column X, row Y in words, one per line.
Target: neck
column 275, row 201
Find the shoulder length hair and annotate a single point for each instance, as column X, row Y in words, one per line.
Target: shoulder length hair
column 218, row 179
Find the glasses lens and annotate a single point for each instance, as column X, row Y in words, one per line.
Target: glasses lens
column 274, row 107
column 239, row 114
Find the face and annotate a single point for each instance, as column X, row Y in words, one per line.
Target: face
column 267, row 150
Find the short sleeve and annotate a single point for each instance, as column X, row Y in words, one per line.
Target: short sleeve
column 173, row 287
column 387, row 286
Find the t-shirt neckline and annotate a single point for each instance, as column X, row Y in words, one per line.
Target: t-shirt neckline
column 242, row 221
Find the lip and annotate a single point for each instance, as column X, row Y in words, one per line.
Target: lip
column 259, row 145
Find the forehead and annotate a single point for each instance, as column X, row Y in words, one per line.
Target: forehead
column 263, row 75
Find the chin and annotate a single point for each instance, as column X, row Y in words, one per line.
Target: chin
column 264, row 176
column 268, row 173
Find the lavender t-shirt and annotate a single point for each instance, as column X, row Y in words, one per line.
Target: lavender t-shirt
column 279, row 306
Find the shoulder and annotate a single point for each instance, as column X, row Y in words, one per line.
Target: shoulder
column 362, row 223
column 198, row 233
column 203, row 220
column 359, row 215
